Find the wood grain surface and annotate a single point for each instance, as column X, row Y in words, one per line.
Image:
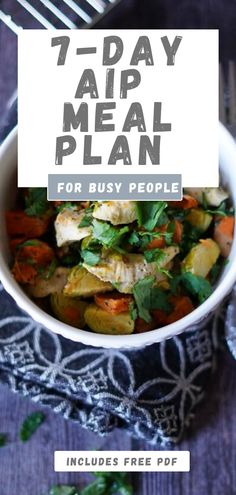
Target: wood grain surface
column 27, row 469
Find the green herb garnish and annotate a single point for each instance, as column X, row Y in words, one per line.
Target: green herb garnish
column 36, row 203
column 109, row 484
column 32, row 242
column 142, row 239
column 87, row 218
column 3, row 439
column 220, row 210
column 154, row 255
column 62, row 207
column 63, row 490
column 151, row 214
column 195, row 285
column 160, row 300
column 191, row 235
column 133, row 311
column 51, row 269
column 104, row 484
column 148, row 297
column 142, row 295
column 108, row 235
column 90, row 257
column 30, row 425
column 215, row 271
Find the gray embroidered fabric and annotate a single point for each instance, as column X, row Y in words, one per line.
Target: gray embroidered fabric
column 230, row 323
column 151, row 392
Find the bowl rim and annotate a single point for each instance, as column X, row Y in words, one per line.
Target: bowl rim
column 118, row 341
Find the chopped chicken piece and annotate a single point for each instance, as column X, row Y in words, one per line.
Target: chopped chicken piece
column 67, row 226
column 116, row 212
column 123, row 271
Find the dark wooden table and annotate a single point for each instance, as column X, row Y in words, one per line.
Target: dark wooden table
column 27, row 469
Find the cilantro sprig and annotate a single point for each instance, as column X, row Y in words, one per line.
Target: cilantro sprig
column 91, row 257
column 105, row 483
column 3, row 439
column 107, row 235
column 155, row 255
column 87, row 218
column 195, row 285
column 151, row 214
column 30, row 425
column 148, row 297
column 36, row 203
column 64, row 205
column 140, row 239
column 63, row 490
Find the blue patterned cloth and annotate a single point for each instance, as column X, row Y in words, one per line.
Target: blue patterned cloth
column 230, row 323
column 151, row 392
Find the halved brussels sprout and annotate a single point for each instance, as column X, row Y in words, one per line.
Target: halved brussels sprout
column 100, row 321
column 82, row 283
column 68, row 310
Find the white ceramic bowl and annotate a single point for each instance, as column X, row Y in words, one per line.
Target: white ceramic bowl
column 8, row 160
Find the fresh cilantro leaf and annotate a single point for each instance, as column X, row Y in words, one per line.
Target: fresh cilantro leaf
column 36, row 203
column 105, row 484
column 3, row 439
column 191, row 232
column 166, row 272
column 155, row 254
column 90, row 257
column 62, row 207
column 169, row 234
column 108, row 235
column 148, row 297
column 30, row 425
column 142, row 239
column 46, row 272
column 126, row 490
column 133, row 311
column 91, row 251
column 178, row 213
column 32, row 242
column 116, row 483
column 142, row 296
column 195, row 285
column 87, row 218
column 191, row 235
column 215, row 271
column 221, row 210
column 150, row 213
column 98, row 487
column 134, row 238
column 159, row 300
column 63, row 490
column 51, row 269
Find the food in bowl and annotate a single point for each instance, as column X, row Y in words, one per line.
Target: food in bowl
column 120, row 267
